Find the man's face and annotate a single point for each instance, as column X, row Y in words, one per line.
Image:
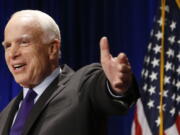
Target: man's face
column 27, row 57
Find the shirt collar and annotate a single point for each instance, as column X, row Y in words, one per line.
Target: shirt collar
column 39, row 89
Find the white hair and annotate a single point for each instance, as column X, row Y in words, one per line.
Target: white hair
column 47, row 23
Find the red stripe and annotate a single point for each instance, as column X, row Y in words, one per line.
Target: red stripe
column 178, row 123
column 138, row 130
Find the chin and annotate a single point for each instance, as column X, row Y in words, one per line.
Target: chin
column 22, row 82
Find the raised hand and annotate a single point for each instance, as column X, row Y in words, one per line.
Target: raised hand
column 117, row 69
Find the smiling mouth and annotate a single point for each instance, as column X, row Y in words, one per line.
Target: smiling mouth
column 18, row 67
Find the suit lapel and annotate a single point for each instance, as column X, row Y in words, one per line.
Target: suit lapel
column 11, row 110
column 53, row 89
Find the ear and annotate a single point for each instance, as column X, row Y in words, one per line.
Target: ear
column 54, row 48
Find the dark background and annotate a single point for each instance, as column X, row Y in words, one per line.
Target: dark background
column 126, row 23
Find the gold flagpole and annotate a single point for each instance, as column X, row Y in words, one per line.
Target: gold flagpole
column 178, row 3
column 161, row 127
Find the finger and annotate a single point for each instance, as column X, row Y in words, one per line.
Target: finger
column 123, row 81
column 122, row 58
column 123, row 77
column 121, row 87
column 104, row 49
column 124, row 68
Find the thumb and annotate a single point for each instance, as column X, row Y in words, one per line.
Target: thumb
column 104, row 49
column 122, row 58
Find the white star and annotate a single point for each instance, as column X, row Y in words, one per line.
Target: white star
column 145, row 87
column 170, row 53
column 172, row 111
column 160, row 22
column 178, row 99
column 166, row 79
column 152, row 90
column 178, row 56
column 150, row 104
column 142, row 72
column 171, row 40
column 153, row 76
column 152, row 31
column 178, row 70
column 158, row 35
column 147, row 60
column 173, row 25
column 163, row 107
column 155, row 62
column 173, row 97
column 174, row 82
column 178, row 84
column 158, row 122
column 168, row 66
column 165, row 92
column 146, row 73
column 157, row 49
column 166, row 8
column 178, row 41
column 149, row 47
column 173, row 68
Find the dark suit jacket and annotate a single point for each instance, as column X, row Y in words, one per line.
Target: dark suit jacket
column 71, row 105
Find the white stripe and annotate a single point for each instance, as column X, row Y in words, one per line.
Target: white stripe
column 142, row 119
column 172, row 130
column 133, row 128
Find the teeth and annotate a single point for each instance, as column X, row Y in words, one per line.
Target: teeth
column 17, row 66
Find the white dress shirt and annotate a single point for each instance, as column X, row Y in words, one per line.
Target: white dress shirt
column 40, row 88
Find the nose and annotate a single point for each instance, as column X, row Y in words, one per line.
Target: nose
column 13, row 51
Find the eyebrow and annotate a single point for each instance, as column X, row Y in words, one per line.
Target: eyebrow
column 20, row 38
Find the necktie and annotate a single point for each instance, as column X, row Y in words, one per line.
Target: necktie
column 22, row 115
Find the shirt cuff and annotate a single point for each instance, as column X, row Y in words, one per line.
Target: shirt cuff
column 111, row 93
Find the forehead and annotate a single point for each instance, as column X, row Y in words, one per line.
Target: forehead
column 19, row 25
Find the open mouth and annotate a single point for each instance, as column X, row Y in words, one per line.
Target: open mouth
column 18, row 67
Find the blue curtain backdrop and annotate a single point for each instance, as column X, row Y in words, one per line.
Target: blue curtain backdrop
column 126, row 23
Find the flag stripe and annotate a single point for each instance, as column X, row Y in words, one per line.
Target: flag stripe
column 178, row 123
column 172, row 130
column 142, row 120
column 138, row 129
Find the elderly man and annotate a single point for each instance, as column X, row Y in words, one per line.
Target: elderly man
column 56, row 100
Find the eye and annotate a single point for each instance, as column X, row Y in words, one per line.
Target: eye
column 6, row 45
column 24, row 42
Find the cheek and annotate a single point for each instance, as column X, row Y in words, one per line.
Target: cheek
column 37, row 61
column 7, row 59
column 6, row 56
column 38, row 64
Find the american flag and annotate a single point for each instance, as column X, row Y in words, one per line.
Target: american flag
column 147, row 119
